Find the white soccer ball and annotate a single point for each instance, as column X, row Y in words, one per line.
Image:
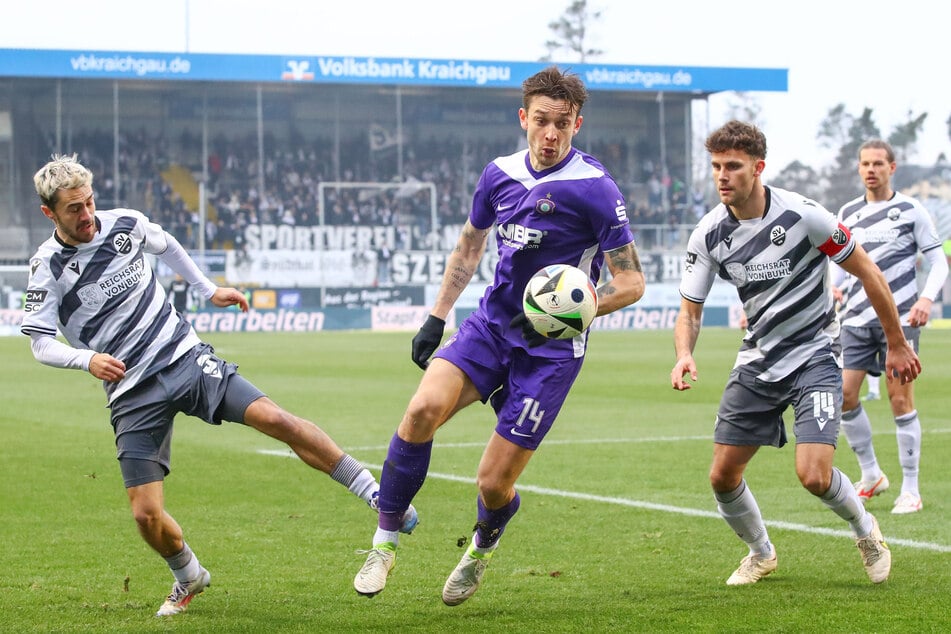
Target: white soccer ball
column 560, row 301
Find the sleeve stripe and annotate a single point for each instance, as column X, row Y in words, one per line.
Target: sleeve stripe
column 33, row 330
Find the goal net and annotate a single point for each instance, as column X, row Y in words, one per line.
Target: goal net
column 407, row 203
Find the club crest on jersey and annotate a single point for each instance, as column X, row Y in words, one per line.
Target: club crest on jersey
column 737, row 273
column 122, row 243
column 777, row 235
column 894, row 213
column 544, row 206
column 91, row 296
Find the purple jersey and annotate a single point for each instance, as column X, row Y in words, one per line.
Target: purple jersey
column 568, row 214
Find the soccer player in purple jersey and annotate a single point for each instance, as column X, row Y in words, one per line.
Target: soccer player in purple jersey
column 91, row 281
column 893, row 228
column 775, row 247
column 549, row 204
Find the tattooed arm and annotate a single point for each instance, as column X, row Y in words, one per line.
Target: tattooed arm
column 627, row 280
column 460, row 267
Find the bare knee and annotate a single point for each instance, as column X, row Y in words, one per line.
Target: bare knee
column 423, row 417
column 148, row 516
column 815, row 481
column 265, row 416
column 901, row 404
column 495, row 492
column 724, row 480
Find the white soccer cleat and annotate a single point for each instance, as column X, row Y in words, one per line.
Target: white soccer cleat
column 868, row 490
column 752, row 569
column 876, row 557
column 465, row 579
column 907, row 503
column 371, row 579
column 183, row 593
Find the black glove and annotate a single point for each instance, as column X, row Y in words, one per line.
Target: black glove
column 427, row 340
column 532, row 336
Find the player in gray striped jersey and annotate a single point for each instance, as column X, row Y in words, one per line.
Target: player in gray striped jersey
column 893, row 228
column 775, row 247
column 91, row 281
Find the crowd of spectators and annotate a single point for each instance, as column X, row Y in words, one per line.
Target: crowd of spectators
column 242, row 189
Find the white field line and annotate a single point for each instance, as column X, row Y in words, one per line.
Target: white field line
column 666, row 508
column 611, row 441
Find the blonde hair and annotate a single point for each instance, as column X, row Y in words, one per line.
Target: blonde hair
column 62, row 172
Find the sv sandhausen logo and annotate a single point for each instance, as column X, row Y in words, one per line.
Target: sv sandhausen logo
column 122, row 243
column 777, row 235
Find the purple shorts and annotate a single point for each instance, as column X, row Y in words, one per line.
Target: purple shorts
column 526, row 391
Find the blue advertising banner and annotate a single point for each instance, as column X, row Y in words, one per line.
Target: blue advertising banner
column 373, row 70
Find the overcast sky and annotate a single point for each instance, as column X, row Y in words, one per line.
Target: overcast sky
column 887, row 55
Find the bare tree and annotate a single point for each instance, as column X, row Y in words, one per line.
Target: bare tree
column 904, row 136
column 570, row 32
column 743, row 106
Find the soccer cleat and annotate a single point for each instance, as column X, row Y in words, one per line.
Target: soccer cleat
column 752, row 569
column 907, row 503
column 465, row 579
column 876, row 557
column 183, row 593
column 410, row 517
column 868, row 489
column 872, row 396
column 371, row 579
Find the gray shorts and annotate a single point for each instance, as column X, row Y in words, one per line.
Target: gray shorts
column 751, row 410
column 198, row 384
column 526, row 391
column 865, row 348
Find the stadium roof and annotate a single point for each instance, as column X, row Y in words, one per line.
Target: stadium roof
column 325, row 69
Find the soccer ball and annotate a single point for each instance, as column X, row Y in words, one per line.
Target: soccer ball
column 560, row 301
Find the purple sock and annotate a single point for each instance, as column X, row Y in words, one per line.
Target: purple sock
column 403, row 475
column 491, row 523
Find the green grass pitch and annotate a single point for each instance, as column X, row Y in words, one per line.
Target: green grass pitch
column 617, row 532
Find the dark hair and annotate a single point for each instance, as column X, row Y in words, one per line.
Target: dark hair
column 878, row 144
column 737, row 135
column 554, row 83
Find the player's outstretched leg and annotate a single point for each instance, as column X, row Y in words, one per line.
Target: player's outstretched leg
column 183, row 593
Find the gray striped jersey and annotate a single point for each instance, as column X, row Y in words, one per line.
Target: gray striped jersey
column 893, row 232
column 103, row 296
column 779, row 264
